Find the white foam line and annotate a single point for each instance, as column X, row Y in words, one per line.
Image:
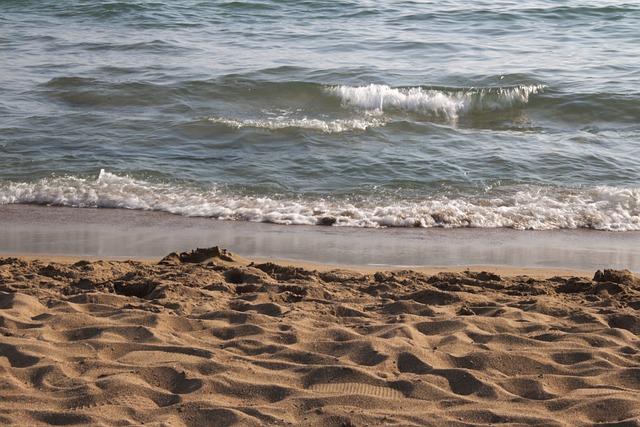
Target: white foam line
column 529, row 207
column 327, row 126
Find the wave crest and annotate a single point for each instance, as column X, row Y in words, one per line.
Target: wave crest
column 442, row 103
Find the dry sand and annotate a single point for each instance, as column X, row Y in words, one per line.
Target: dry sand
column 208, row 338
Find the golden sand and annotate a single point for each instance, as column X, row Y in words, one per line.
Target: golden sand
column 209, row 338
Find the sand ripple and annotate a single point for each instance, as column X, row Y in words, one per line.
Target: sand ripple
column 211, row 339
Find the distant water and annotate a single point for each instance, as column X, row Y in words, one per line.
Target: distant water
column 347, row 113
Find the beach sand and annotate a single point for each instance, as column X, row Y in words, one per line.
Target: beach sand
column 210, row 338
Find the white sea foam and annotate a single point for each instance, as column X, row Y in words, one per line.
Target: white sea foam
column 540, row 208
column 283, row 122
column 446, row 104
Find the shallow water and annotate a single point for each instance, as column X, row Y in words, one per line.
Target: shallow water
column 356, row 113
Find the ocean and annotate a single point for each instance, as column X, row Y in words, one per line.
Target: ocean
column 453, row 114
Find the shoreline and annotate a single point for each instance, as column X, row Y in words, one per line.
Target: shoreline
column 28, row 230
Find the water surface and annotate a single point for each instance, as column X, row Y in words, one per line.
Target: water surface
column 350, row 113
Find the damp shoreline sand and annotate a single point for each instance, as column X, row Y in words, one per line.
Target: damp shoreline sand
column 118, row 233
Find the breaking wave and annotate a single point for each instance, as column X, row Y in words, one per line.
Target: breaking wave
column 523, row 207
column 449, row 104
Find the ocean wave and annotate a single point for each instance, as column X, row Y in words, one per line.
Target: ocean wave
column 374, row 105
column 442, row 103
column 526, row 207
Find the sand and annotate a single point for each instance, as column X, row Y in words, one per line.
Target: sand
column 210, row 338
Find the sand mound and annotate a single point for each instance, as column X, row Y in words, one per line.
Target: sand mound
column 203, row 255
column 203, row 338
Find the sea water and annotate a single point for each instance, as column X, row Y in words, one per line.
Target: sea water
column 355, row 113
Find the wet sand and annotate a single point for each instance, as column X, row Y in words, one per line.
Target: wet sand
column 134, row 234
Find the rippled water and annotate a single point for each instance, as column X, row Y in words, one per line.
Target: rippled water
column 357, row 113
